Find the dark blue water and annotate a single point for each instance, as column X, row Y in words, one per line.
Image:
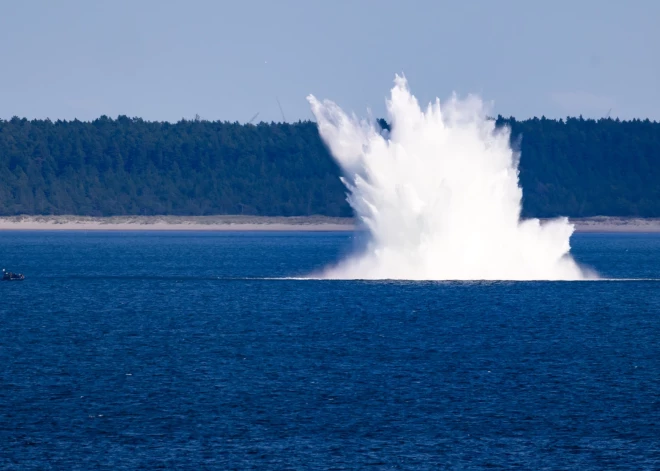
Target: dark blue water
column 171, row 351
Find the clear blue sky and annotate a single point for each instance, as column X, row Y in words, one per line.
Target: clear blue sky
column 227, row 60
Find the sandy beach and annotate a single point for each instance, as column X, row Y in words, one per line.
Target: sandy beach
column 260, row 223
column 175, row 223
column 616, row 224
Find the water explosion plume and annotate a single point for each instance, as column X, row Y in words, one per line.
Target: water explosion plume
column 439, row 196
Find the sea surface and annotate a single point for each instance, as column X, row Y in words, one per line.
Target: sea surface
column 159, row 350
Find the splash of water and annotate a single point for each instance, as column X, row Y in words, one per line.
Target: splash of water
column 439, row 196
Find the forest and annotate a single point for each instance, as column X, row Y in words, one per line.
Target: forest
column 128, row 166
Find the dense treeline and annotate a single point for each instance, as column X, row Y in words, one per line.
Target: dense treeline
column 579, row 167
column 128, row 166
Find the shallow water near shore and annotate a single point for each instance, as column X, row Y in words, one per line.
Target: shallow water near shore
column 189, row 350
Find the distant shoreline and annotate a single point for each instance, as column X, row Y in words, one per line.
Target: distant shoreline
column 616, row 224
column 175, row 223
column 261, row 223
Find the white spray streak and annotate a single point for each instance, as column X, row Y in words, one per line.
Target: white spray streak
column 439, row 196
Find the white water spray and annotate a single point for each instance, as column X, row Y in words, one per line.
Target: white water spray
column 439, row 196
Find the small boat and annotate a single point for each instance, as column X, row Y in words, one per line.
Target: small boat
column 9, row 276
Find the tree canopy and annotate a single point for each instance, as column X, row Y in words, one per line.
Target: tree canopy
column 128, row 166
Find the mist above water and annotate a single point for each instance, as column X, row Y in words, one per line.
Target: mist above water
column 439, row 196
